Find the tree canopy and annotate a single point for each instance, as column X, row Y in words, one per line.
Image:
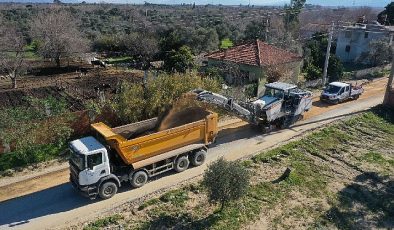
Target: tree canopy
column 255, row 30
column 12, row 51
column 179, row 60
column 57, row 34
column 315, row 53
column 386, row 17
column 225, row 181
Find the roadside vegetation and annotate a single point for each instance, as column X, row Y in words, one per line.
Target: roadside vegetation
column 34, row 133
column 40, row 130
column 135, row 102
column 338, row 177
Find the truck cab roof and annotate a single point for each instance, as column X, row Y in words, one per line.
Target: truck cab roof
column 280, row 86
column 86, row 145
column 339, row 84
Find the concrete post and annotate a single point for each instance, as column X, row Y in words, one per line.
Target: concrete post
column 389, row 88
column 327, row 55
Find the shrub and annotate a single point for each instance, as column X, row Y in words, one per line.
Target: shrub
column 251, row 90
column 313, row 73
column 225, row 181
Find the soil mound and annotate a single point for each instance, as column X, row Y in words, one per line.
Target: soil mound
column 177, row 117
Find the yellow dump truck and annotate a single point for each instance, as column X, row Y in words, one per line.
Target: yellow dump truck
column 100, row 164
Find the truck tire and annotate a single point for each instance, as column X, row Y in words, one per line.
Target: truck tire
column 198, row 158
column 139, row 178
column 107, row 190
column 181, row 164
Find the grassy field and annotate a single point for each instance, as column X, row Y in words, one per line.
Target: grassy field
column 341, row 177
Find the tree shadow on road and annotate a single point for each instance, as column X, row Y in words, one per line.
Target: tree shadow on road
column 61, row 198
column 321, row 104
column 367, row 203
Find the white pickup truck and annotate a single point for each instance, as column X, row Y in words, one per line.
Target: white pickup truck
column 337, row 92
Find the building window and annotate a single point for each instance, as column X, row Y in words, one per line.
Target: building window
column 366, row 35
column 348, row 34
column 347, row 49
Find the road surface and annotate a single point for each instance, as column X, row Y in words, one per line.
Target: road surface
column 60, row 206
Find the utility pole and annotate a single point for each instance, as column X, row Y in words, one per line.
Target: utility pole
column 267, row 27
column 327, row 55
column 390, row 82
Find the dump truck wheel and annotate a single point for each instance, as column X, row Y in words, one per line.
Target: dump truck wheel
column 107, row 190
column 139, row 179
column 198, row 158
column 181, row 164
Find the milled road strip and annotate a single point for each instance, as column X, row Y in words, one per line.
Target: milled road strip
column 61, row 206
column 372, row 88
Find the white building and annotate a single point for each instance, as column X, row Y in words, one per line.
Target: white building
column 354, row 40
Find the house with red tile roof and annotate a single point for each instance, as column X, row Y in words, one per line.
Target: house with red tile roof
column 250, row 63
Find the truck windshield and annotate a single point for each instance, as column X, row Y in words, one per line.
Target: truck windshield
column 331, row 89
column 78, row 160
column 274, row 93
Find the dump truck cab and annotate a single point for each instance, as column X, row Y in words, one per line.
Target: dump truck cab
column 89, row 164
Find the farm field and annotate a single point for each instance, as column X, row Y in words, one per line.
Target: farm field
column 71, row 86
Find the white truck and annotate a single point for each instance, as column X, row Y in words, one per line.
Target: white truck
column 337, row 92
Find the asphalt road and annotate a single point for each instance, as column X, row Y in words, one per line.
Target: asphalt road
column 60, row 206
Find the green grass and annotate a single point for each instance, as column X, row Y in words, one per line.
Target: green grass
column 148, row 203
column 226, row 43
column 177, row 197
column 376, row 158
column 118, row 60
column 31, row 155
column 104, row 222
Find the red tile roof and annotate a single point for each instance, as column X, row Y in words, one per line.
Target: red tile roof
column 256, row 53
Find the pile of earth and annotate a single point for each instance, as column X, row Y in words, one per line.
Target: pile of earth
column 176, row 117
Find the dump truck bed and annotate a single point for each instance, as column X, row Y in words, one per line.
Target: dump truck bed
column 138, row 141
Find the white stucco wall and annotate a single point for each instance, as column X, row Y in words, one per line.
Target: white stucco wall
column 356, row 39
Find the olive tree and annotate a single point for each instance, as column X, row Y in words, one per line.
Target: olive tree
column 57, row 34
column 179, row 60
column 379, row 53
column 142, row 47
column 12, row 53
column 225, row 181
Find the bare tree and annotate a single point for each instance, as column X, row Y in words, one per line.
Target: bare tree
column 57, row 34
column 142, row 47
column 12, row 54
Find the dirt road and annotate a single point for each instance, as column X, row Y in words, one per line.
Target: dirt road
column 59, row 205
